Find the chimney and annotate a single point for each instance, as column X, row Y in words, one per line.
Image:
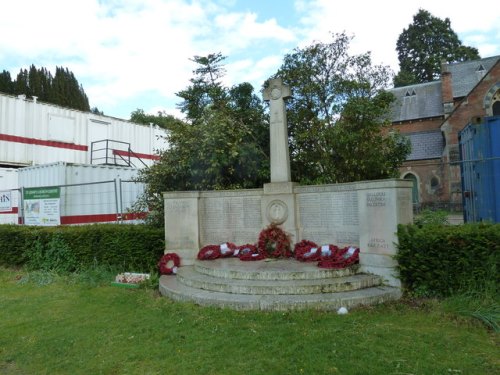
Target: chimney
column 446, row 88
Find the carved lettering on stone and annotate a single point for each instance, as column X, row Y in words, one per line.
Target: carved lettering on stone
column 176, row 206
column 230, row 218
column 377, row 199
column 377, row 244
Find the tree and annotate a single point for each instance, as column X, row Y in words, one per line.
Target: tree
column 67, row 92
column 205, row 89
column 337, row 112
column 6, row 84
column 162, row 119
column 21, row 84
column 62, row 89
column 96, row 111
column 219, row 146
column 424, row 45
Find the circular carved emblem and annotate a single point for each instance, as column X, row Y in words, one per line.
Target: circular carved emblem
column 277, row 212
column 275, row 93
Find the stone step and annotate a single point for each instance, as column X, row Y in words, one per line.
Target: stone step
column 171, row 287
column 189, row 276
column 268, row 269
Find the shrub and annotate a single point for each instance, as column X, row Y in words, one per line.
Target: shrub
column 70, row 248
column 14, row 240
column 55, row 255
column 428, row 216
column 438, row 260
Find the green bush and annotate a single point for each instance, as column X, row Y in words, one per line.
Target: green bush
column 439, row 260
column 14, row 239
column 427, row 217
column 56, row 256
column 70, row 248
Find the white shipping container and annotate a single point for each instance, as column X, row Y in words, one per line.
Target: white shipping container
column 88, row 193
column 33, row 133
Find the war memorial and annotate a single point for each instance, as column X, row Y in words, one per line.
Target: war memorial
column 364, row 215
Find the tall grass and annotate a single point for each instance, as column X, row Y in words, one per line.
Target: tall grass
column 479, row 301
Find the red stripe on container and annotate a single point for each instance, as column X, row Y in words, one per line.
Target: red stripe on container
column 100, row 218
column 14, row 210
column 136, row 154
column 42, row 142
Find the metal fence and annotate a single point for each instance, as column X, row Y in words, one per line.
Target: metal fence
column 85, row 203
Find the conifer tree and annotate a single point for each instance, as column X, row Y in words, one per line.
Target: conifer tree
column 6, row 84
column 61, row 89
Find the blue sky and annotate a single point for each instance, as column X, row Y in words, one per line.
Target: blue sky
column 131, row 54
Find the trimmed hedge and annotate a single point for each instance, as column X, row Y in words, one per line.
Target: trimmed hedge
column 129, row 247
column 440, row 260
column 14, row 239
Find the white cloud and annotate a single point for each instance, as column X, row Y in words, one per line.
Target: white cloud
column 126, row 49
column 377, row 25
column 254, row 72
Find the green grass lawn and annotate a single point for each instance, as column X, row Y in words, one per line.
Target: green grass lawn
column 73, row 327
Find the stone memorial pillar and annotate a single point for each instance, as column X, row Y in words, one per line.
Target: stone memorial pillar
column 278, row 202
column 182, row 224
column 275, row 94
column 382, row 206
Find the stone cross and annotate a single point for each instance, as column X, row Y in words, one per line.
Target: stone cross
column 276, row 93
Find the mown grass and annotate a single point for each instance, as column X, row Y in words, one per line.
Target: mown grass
column 76, row 325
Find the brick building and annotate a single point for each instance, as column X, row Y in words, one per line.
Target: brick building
column 432, row 114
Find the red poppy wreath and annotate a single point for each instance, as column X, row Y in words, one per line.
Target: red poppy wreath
column 169, row 263
column 274, row 242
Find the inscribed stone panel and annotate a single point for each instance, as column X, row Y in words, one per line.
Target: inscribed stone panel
column 329, row 217
column 230, row 218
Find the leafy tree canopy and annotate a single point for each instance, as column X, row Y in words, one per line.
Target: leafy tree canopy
column 162, row 119
column 338, row 114
column 424, row 45
column 223, row 144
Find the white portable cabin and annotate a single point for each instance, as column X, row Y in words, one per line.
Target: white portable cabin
column 47, row 145
column 33, row 133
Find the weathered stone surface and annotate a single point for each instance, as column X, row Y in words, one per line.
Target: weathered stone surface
column 273, row 269
column 170, row 287
column 276, row 93
column 278, row 285
column 189, row 277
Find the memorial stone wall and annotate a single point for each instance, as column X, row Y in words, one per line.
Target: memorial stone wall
column 361, row 214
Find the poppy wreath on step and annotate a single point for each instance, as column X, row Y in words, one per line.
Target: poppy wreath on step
column 250, row 252
column 165, row 263
column 274, row 242
column 329, row 252
column 209, row 252
column 227, row 249
column 342, row 258
column 307, row 251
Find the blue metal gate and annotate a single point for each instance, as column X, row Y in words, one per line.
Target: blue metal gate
column 480, row 170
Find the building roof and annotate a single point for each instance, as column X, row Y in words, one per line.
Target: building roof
column 466, row 75
column 417, row 101
column 425, row 100
column 425, row 145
